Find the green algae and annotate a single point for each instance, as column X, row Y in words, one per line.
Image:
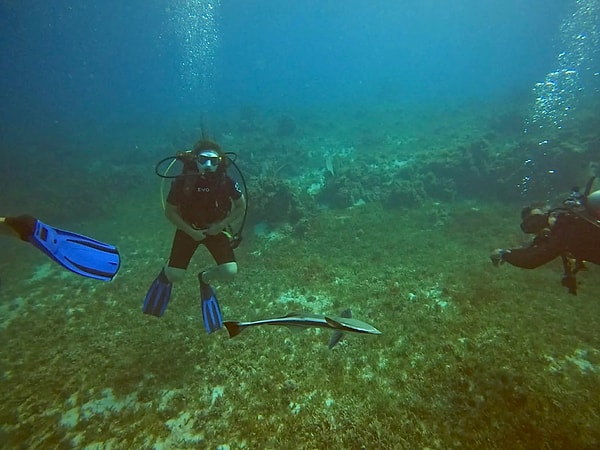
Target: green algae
column 471, row 355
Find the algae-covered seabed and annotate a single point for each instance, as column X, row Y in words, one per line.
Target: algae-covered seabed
column 471, row 356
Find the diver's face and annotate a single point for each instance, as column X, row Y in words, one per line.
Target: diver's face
column 208, row 161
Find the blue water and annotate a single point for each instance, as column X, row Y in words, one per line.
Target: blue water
column 371, row 51
column 66, row 61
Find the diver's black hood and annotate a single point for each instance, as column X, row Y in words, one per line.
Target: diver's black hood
column 534, row 223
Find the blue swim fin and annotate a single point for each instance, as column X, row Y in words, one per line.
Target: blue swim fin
column 211, row 312
column 158, row 296
column 79, row 254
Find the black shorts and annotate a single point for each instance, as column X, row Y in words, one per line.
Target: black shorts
column 184, row 247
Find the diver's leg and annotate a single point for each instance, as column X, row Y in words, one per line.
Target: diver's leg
column 182, row 250
column 157, row 297
column 221, row 251
column 224, row 272
column 22, row 226
column 174, row 274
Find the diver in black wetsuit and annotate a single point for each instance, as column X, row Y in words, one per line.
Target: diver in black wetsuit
column 203, row 204
column 571, row 232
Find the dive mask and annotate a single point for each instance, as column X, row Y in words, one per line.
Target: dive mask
column 208, row 160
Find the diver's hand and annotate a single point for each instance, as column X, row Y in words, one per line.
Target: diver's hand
column 196, row 234
column 497, row 256
column 215, row 229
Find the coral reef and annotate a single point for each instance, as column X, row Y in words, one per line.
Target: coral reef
column 397, row 226
column 274, row 201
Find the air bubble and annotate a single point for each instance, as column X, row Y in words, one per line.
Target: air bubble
column 195, row 25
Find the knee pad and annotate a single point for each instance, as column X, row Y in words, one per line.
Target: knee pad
column 228, row 270
column 174, row 274
column 225, row 272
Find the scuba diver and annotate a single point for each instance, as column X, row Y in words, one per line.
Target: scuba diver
column 571, row 231
column 204, row 204
column 79, row 254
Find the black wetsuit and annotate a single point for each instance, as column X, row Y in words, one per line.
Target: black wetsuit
column 571, row 236
column 202, row 201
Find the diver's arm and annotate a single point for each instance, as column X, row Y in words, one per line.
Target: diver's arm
column 172, row 214
column 238, row 206
column 531, row 257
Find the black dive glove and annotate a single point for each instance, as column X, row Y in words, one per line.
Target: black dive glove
column 497, row 256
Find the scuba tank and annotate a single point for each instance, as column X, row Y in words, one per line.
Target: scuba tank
column 585, row 204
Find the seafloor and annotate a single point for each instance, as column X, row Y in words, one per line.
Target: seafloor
column 471, row 356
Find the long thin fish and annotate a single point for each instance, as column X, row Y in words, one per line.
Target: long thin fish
column 302, row 321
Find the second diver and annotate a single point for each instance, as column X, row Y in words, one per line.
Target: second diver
column 571, row 232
